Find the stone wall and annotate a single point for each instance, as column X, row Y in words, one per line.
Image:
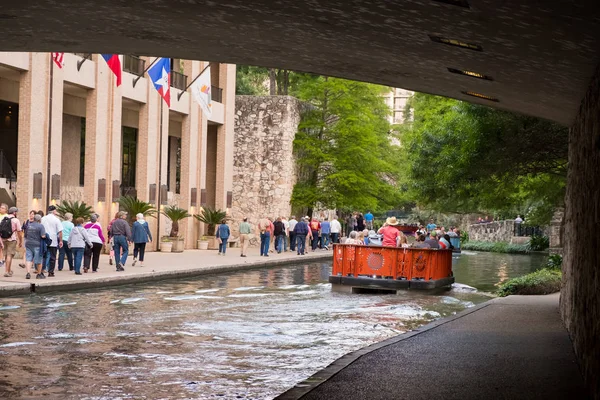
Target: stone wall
column 264, row 167
column 497, row 231
column 580, row 294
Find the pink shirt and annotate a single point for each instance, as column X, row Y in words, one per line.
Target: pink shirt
column 390, row 235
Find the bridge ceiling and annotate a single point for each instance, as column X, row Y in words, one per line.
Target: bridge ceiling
column 539, row 54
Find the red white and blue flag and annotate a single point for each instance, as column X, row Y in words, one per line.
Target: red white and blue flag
column 58, row 59
column 159, row 74
column 114, row 63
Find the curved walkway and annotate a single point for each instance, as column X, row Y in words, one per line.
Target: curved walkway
column 158, row 266
column 508, row 348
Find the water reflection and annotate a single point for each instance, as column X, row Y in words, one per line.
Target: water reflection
column 250, row 334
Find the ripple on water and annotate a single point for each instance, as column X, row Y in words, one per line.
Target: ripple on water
column 2, row 308
column 207, row 290
column 242, row 289
column 57, row 305
column 190, row 297
column 17, row 344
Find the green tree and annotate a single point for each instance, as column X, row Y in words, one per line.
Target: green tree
column 212, row 217
column 133, row 206
column 343, row 151
column 251, row 80
column 175, row 214
column 78, row 209
column 463, row 157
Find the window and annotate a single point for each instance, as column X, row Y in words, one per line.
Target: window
column 129, row 157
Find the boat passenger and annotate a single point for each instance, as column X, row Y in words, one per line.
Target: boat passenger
column 432, row 241
column 443, row 243
column 352, row 239
column 403, row 241
column 390, row 233
column 420, row 243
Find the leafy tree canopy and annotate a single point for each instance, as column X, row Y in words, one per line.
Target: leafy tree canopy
column 463, row 157
column 343, row 151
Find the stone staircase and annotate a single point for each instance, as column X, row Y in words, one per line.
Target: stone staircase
column 7, row 192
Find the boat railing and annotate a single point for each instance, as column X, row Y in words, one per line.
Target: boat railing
column 391, row 262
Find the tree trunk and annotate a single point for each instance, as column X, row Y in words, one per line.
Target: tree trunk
column 272, row 81
column 286, row 82
column 175, row 229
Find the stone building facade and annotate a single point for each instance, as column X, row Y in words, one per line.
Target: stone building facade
column 107, row 141
column 264, row 170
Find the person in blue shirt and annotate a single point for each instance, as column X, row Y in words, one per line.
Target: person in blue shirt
column 431, row 225
column 325, row 233
column 369, row 220
column 223, row 234
column 301, row 230
column 140, row 235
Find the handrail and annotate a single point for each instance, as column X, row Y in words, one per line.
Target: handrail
column 133, row 64
column 178, row 80
column 216, row 94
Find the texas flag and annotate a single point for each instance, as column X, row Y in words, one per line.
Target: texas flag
column 159, row 74
column 114, row 64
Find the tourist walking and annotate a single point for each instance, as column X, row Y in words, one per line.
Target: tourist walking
column 111, row 242
column 360, row 223
column 271, row 230
column 265, row 236
column 245, row 231
column 94, row 231
column 325, row 233
column 300, row 231
column 121, row 234
column 78, row 241
column 141, row 235
column 315, row 227
column 292, row 225
column 279, row 232
column 25, row 226
column 34, row 236
column 286, row 232
column 369, row 220
column 65, row 250
column 336, row 229
column 223, row 234
column 53, row 227
column 10, row 232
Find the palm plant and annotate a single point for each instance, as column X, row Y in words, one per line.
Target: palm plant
column 212, row 217
column 175, row 214
column 134, row 206
column 78, row 209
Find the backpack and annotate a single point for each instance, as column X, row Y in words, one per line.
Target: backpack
column 6, row 230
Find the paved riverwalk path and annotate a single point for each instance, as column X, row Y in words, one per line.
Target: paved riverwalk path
column 509, row 348
column 156, row 266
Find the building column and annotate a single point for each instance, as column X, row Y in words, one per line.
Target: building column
column 33, row 130
column 225, row 137
column 580, row 293
column 190, row 134
column 98, row 136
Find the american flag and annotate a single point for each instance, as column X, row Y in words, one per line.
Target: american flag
column 58, row 59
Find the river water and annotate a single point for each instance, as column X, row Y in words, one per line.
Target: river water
column 244, row 335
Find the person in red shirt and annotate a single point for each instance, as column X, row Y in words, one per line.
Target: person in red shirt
column 315, row 227
column 390, row 233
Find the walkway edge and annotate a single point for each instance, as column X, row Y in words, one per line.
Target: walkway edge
column 49, row 286
column 306, row 386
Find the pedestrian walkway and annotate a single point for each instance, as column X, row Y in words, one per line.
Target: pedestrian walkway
column 156, row 266
column 509, row 348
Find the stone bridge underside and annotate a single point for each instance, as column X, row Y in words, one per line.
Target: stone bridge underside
column 541, row 57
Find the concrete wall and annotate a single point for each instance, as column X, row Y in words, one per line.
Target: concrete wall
column 497, row 231
column 71, row 151
column 580, row 294
column 264, row 166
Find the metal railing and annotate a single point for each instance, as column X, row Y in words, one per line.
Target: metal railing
column 216, row 94
column 128, row 191
column 133, row 64
column 178, row 80
column 523, row 230
column 7, row 171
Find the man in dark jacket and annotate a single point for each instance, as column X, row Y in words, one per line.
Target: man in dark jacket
column 279, row 233
column 121, row 233
column 301, row 230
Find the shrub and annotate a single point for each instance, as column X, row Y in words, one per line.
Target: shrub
column 134, row 206
column 464, row 237
column 539, row 243
column 175, row 214
column 496, row 247
column 78, row 209
column 211, row 217
column 544, row 281
column 554, row 262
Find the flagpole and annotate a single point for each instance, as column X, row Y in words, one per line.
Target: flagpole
column 49, row 132
column 192, row 82
column 135, row 81
column 158, row 199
